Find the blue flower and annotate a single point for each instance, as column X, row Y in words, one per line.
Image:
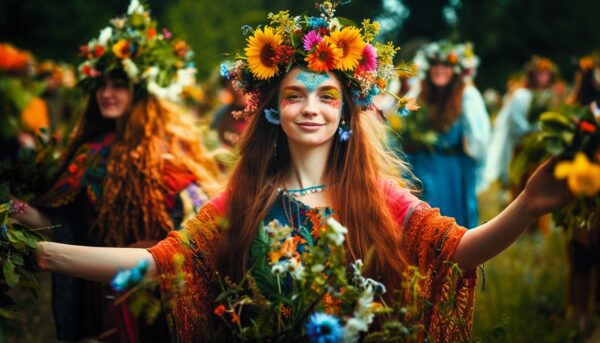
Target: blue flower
column 272, row 116
column 225, row 72
column 404, row 112
column 121, row 281
column 364, row 101
column 324, row 328
column 314, row 23
column 344, row 134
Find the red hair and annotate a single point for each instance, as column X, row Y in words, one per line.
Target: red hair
column 357, row 167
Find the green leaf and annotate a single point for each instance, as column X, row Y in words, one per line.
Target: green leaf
column 557, row 119
column 12, row 278
column 4, row 191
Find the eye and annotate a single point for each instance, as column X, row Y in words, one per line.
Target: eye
column 120, row 84
column 292, row 96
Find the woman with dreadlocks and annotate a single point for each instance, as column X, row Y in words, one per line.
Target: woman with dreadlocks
column 134, row 170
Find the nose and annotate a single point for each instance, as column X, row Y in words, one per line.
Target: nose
column 105, row 90
column 310, row 109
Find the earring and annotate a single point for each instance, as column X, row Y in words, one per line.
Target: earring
column 344, row 131
column 272, row 116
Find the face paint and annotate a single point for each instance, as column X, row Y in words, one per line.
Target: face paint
column 335, row 99
column 285, row 97
column 311, row 80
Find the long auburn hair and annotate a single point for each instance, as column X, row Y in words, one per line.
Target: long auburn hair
column 443, row 103
column 357, row 167
column 133, row 192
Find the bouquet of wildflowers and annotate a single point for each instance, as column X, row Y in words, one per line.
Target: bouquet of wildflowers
column 313, row 296
column 574, row 136
column 18, row 245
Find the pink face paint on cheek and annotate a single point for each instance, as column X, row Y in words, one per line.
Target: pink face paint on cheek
column 283, row 103
column 337, row 104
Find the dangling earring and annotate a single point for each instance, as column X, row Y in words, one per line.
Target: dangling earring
column 272, row 116
column 344, row 131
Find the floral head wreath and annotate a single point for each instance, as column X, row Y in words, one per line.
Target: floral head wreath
column 458, row 56
column 589, row 62
column 131, row 44
column 538, row 63
column 319, row 44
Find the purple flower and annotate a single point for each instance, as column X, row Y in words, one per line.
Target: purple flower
column 310, row 40
column 344, row 135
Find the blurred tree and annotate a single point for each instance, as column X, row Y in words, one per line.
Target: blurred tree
column 506, row 33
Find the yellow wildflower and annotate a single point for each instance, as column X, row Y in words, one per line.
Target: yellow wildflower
column 583, row 177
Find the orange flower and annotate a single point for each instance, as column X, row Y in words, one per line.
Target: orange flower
column 181, row 48
column 452, row 58
column 325, row 57
column 35, row 115
column 151, row 33
column 586, row 63
column 122, row 49
column 220, row 310
column 235, row 319
column 586, row 126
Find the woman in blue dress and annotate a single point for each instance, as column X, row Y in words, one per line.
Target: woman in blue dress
column 449, row 166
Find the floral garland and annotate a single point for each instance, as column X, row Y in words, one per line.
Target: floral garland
column 132, row 44
column 538, row 63
column 319, row 44
column 458, row 56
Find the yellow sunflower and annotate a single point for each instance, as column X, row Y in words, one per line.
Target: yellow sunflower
column 325, row 57
column 261, row 51
column 582, row 176
column 352, row 45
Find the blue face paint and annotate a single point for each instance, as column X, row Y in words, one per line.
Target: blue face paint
column 311, row 80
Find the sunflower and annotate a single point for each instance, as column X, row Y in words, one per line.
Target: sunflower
column 352, row 46
column 325, row 57
column 261, row 52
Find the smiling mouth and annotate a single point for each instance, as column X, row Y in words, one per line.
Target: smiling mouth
column 310, row 124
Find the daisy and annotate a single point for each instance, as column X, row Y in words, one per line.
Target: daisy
column 261, row 51
column 310, row 40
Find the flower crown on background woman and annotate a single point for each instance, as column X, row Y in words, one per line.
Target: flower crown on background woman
column 131, row 44
column 319, row 44
column 458, row 56
column 541, row 64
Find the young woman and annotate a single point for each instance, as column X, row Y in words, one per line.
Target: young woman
column 519, row 116
column 454, row 109
column 134, row 170
column 312, row 152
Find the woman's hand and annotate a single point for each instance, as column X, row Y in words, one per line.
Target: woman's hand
column 29, row 215
column 543, row 192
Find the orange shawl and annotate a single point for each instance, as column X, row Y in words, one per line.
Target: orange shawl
column 429, row 240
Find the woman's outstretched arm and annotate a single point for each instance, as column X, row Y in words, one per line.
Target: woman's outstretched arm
column 90, row 263
column 542, row 194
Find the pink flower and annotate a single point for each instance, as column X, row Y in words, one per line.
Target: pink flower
column 311, row 39
column 369, row 60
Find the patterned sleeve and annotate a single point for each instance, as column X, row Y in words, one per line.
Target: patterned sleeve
column 430, row 240
column 188, row 305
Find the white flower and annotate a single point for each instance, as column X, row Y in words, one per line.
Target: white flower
column 135, row 7
column 186, row 76
column 334, row 25
column 317, row 268
column 280, row 267
column 131, row 69
column 337, row 236
column 352, row 329
column 105, row 35
column 150, row 73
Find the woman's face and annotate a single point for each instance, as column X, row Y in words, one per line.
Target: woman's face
column 114, row 98
column 441, row 74
column 310, row 107
column 542, row 78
